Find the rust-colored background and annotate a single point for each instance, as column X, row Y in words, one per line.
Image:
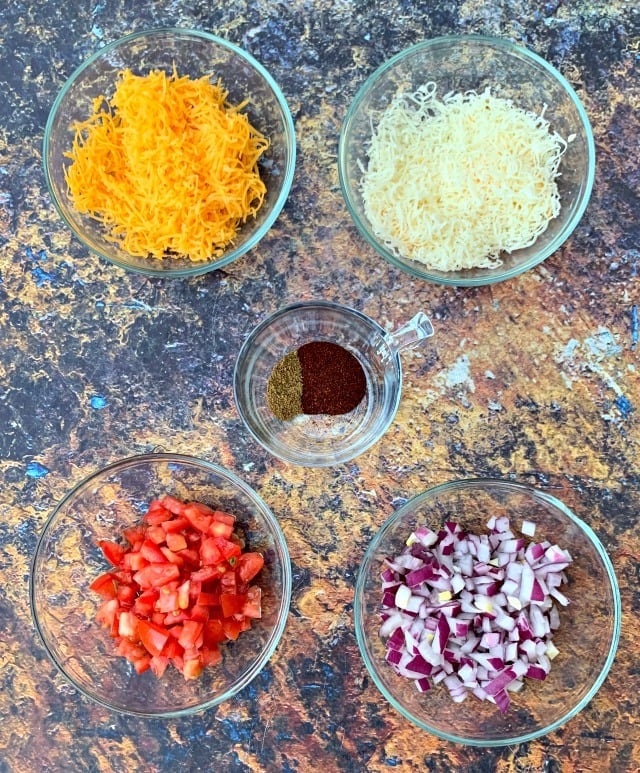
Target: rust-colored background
column 534, row 380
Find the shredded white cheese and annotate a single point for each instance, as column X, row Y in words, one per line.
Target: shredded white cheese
column 455, row 182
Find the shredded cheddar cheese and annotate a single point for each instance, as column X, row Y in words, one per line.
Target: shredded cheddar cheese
column 167, row 165
column 455, row 182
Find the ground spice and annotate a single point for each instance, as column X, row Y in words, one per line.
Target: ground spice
column 284, row 388
column 333, row 381
column 319, row 378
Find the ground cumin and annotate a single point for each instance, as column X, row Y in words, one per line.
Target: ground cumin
column 319, row 378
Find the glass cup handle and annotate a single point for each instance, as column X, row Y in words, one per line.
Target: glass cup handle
column 412, row 333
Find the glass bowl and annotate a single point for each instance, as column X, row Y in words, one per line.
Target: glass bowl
column 472, row 63
column 68, row 559
column 196, row 54
column 586, row 639
column 322, row 440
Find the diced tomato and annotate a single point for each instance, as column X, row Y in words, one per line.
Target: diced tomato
column 253, row 604
column 126, row 594
column 167, row 602
column 105, row 585
column 231, row 604
column 197, row 518
column 152, row 636
column 192, row 668
column 179, row 590
column 134, row 534
column 206, row 573
column 220, row 529
column 172, row 504
column 142, row 664
column 213, row 632
column 128, row 625
column 190, row 556
column 159, row 664
column 210, row 655
column 155, row 575
column 232, row 628
column 113, row 552
column 157, row 515
column 199, row 613
column 107, row 614
column 228, row 548
column 210, row 553
column 248, row 565
column 221, row 517
column 171, row 557
column 183, row 595
column 175, row 541
column 156, row 534
column 134, row 561
column 228, row 582
column 205, row 599
column 176, row 524
column 152, row 553
column 191, row 635
column 144, row 605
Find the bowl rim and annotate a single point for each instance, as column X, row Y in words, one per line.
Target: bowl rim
column 470, row 483
column 413, row 267
column 285, row 595
column 338, row 457
column 287, row 178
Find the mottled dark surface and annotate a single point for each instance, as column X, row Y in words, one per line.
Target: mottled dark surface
column 535, row 380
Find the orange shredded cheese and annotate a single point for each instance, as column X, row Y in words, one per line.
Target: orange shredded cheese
column 167, row 165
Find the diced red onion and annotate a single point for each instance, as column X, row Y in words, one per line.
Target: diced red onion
column 473, row 611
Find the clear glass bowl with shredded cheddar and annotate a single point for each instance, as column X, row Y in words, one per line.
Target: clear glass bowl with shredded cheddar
column 466, row 160
column 170, row 152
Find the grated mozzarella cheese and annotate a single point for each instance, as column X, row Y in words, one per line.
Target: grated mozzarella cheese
column 455, row 182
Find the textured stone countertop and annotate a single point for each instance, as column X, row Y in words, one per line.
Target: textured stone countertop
column 534, row 380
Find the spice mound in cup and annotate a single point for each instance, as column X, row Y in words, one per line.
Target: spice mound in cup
column 318, row 378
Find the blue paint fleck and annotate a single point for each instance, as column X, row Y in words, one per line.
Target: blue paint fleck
column 624, row 405
column 39, row 274
column 392, row 761
column 36, row 470
column 634, row 326
column 100, row 304
column 98, row 402
column 236, row 731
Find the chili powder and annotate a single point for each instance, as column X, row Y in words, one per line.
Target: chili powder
column 333, row 381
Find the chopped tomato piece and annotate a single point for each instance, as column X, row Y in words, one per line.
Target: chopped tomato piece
column 151, row 552
column 179, row 589
column 105, row 585
column 155, row 575
column 176, row 524
column 134, row 534
column 192, row 668
column 221, row 517
column 113, row 552
column 152, row 636
column 191, row 636
column 172, row 504
column 220, row 529
column 253, row 604
column 197, row 518
column 171, row 557
column 248, row 565
column 175, row 541
column 231, row 604
column 231, row 628
column 210, row 553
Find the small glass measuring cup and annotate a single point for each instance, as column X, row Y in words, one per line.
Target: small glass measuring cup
column 320, row 441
